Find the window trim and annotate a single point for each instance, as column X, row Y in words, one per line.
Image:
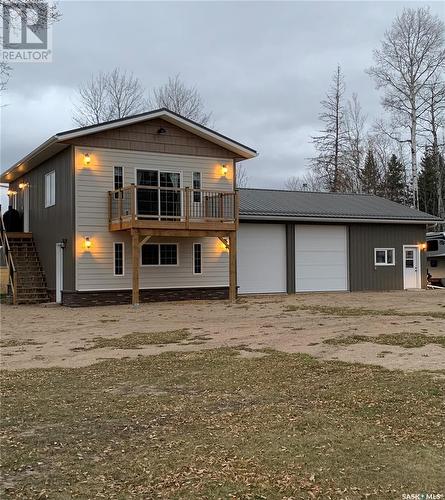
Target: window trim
column 200, row 187
column 114, row 258
column 193, row 258
column 49, row 200
column 386, row 263
column 114, row 178
column 159, row 255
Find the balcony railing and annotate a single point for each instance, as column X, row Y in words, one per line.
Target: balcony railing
column 172, row 208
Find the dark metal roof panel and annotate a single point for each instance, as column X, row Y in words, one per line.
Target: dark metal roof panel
column 270, row 203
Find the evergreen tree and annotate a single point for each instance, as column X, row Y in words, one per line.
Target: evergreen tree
column 395, row 180
column 428, row 179
column 371, row 181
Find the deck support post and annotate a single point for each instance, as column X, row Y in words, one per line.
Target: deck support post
column 135, row 266
column 232, row 267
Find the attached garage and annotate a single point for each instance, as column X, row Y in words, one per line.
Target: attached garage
column 321, row 258
column 262, row 258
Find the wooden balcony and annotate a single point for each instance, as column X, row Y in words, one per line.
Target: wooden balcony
column 185, row 210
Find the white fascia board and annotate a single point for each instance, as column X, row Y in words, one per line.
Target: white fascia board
column 339, row 220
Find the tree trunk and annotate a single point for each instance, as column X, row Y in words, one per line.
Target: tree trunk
column 414, row 158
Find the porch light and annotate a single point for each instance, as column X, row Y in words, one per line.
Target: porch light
column 23, row 185
column 87, row 242
column 422, row 246
column 11, row 193
column 224, row 170
column 86, row 159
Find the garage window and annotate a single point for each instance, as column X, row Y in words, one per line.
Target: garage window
column 384, row 256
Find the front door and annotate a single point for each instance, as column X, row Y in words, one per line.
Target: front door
column 59, row 272
column 411, row 267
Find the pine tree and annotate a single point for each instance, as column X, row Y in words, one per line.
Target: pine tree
column 371, row 181
column 395, row 180
column 428, row 179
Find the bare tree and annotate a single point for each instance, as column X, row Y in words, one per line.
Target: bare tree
column 43, row 13
column 411, row 54
column 307, row 182
column 109, row 96
column 176, row 96
column 242, row 179
column 355, row 144
column 330, row 144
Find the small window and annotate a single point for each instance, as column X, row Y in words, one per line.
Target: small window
column 384, row 257
column 50, row 189
column 432, row 246
column 118, row 259
column 197, row 185
column 118, row 179
column 197, row 258
column 433, row 263
column 154, row 254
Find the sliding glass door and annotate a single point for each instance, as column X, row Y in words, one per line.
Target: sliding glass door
column 159, row 194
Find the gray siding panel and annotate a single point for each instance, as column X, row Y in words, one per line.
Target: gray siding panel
column 363, row 238
column 53, row 224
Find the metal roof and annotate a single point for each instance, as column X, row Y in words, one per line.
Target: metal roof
column 268, row 204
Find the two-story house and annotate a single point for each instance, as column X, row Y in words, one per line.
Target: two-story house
column 141, row 208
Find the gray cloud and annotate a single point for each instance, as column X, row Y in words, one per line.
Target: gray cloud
column 262, row 68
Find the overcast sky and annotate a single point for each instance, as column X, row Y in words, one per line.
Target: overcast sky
column 261, row 68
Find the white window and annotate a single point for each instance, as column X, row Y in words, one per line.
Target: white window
column 164, row 254
column 384, row 256
column 118, row 179
column 118, row 259
column 197, row 258
column 50, row 189
column 197, row 185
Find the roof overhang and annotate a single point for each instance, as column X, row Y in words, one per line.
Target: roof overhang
column 59, row 141
column 334, row 219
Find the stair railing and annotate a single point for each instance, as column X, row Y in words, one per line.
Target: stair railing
column 12, row 273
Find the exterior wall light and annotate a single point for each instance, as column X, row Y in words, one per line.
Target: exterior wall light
column 23, row 185
column 422, row 246
column 87, row 242
column 224, row 170
column 86, row 159
column 10, row 192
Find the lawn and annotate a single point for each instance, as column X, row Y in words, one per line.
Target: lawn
column 214, row 424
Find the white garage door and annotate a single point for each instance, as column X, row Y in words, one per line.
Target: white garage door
column 321, row 258
column 261, row 262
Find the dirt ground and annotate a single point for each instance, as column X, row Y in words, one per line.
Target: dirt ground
column 49, row 336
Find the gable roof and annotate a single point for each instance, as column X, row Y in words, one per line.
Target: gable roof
column 268, row 204
column 56, row 143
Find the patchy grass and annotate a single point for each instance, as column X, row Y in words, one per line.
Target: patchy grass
column 137, row 340
column 212, row 424
column 402, row 339
column 18, row 342
column 361, row 311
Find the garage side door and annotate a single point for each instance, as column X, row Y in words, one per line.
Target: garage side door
column 321, row 258
column 261, row 264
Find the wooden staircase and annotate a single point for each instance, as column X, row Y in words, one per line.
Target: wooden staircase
column 30, row 282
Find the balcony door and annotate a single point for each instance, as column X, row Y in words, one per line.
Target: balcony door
column 158, row 194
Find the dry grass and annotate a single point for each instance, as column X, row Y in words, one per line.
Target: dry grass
column 18, row 342
column 137, row 340
column 361, row 311
column 211, row 424
column 402, row 339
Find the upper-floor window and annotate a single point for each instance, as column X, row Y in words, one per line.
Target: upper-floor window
column 50, row 189
column 118, row 179
column 197, row 185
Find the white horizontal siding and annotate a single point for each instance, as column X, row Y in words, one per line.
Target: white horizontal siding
column 94, row 268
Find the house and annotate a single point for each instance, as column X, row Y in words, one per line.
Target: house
column 146, row 208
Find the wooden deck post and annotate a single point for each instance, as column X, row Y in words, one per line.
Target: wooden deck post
column 135, row 266
column 232, row 267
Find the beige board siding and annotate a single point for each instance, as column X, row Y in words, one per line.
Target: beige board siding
column 94, row 267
